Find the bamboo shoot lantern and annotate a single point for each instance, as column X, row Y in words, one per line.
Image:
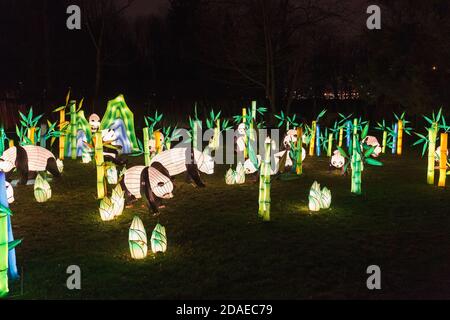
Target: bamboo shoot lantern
column 118, row 200
column 60, row 165
column 325, row 198
column 106, row 209
column 314, row 198
column 111, row 175
column 159, row 239
column 230, row 177
column 137, row 239
column 42, row 189
column 240, row 173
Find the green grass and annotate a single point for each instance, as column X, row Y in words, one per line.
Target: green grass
column 218, row 248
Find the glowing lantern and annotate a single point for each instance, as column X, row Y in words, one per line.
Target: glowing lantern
column 137, row 239
column 315, row 197
column 111, row 175
column 230, row 177
column 325, row 198
column 337, row 160
column 106, row 209
column 60, row 165
column 443, row 160
column 372, row 142
column 240, row 173
column 118, row 200
column 42, row 190
column 159, row 239
column 86, row 155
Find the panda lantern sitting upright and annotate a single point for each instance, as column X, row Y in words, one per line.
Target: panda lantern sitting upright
column 28, row 159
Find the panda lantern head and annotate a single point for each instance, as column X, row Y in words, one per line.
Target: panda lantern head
column 6, row 166
column 94, row 122
column 337, row 160
column 109, row 135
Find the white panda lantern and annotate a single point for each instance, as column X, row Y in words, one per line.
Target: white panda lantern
column 372, row 142
column 337, row 160
column 94, row 122
column 240, row 138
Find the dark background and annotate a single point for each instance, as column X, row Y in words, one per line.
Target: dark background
column 169, row 54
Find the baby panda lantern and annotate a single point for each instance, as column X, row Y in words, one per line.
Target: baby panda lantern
column 42, row 189
column 319, row 199
column 137, row 239
column 159, row 239
column 337, row 160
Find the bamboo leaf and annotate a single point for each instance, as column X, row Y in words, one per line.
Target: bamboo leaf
column 373, row 162
column 13, row 244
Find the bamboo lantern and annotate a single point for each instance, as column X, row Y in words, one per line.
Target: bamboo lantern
column 300, row 154
column 73, row 129
column 356, row 163
column 106, row 209
column 318, row 146
column 4, row 212
column 159, row 239
column 230, row 177
column 264, row 184
column 146, row 147
column 341, row 136
column 111, row 174
column 99, row 162
column 314, row 198
column 11, row 143
column 7, row 198
column 252, row 122
column 42, row 132
column 399, row 137
column 432, row 136
column 313, row 138
column 348, row 133
column 394, row 138
column 196, row 130
column 325, row 198
column 31, row 135
column 330, row 144
column 383, row 147
column 62, row 120
column 244, row 119
column 137, row 239
column 216, row 137
column 42, row 189
column 86, row 155
column 158, row 141
column 118, row 200
column 240, row 174
column 443, row 160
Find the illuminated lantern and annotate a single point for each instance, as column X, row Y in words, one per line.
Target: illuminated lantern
column 372, row 142
column 4, row 213
column 111, row 175
column 86, row 155
column 240, row 173
column 443, row 159
column 159, row 239
column 337, row 160
column 159, row 141
column 118, row 200
column 313, row 138
column 230, row 177
column 9, row 192
column 325, row 198
column 94, row 122
column 264, row 184
column 137, row 239
column 146, row 147
column 60, row 165
column 100, row 164
column 315, row 197
column 42, row 190
column 106, row 209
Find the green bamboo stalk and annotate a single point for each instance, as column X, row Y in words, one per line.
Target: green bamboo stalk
column 264, row 184
column 432, row 136
column 356, row 166
column 383, row 147
column 299, row 164
column 3, row 240
column 330, row 144
column 146, row 147
column 99, row 161
column 73, row 128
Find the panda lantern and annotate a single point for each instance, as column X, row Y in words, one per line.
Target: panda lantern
column 28, row 159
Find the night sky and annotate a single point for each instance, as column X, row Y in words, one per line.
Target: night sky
column 144, row 7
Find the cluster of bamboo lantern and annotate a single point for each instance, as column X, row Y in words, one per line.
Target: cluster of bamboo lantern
column 110, row 208
column 319, row 198
column 137, row 239
column 235, row 176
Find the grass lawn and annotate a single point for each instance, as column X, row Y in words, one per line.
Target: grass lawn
column 218, row 248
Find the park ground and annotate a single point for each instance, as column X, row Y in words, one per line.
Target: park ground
column 219, row 248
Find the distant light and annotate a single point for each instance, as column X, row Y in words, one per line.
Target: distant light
column 434, row 68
